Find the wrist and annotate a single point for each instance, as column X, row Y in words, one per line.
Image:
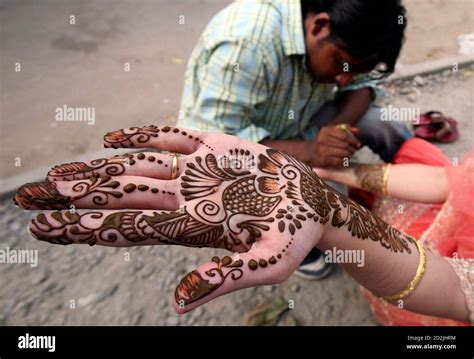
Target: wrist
column 341, row 175
column 310, row 153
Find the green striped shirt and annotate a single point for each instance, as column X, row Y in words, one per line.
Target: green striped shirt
column 247, row 74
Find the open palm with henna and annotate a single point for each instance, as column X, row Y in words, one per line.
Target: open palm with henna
column 262, row 205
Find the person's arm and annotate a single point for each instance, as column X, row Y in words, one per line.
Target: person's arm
column 412, row 182
column 330, row 147
column 386, row 272
column 354, row 104
column 262, row 205
column 303, row 150
column 226, row 84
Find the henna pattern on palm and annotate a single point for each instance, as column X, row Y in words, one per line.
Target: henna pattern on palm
column 311, row 200
column 228, row 207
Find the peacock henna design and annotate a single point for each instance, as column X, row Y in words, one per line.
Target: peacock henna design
column 234, row 203
column 141, row 135
column 237, row 188
column 258, row 197
column 205, row 176
column 369, row 177
column 242, row 197
column 229, row 203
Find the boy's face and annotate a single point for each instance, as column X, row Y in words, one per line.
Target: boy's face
column 326, row 61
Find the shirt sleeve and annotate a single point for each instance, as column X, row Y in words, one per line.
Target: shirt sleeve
column 359, row 82
column 229, row 87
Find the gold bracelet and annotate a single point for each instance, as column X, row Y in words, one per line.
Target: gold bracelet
column 415, row 281
column 386, row 172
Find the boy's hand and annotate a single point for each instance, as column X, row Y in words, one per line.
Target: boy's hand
column 332, row 145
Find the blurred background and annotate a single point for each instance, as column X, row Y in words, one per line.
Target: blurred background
column 82, row 65
column 48, row 62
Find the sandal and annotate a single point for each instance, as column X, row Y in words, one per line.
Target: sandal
column 434, row 126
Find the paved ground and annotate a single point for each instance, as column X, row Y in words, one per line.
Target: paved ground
column 105, row 289
column 82, row 65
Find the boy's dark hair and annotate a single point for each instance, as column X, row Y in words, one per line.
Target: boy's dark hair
column 369, row 30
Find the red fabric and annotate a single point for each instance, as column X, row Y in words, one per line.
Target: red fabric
column 459, row 224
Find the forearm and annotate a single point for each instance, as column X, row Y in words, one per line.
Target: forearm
column 296, row 148
column 353, row 106
column 385, row 272
column 413, row 182
column 387, row 259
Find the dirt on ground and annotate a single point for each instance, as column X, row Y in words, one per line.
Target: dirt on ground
column 433, row 28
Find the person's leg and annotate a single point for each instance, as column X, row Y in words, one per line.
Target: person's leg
column 417, row 150
column 383, row 137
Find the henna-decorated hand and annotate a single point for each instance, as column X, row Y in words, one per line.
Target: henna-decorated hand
column 229, row 193
column 261, row 204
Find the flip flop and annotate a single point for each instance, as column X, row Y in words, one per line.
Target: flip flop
column 434, row 126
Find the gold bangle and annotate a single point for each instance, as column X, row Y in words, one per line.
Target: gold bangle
column 174, row 166
column 420, row 271
column 386, row 172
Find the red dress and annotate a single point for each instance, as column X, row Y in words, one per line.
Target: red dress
column 446, row 229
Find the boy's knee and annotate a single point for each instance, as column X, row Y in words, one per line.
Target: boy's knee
column 371, row 125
